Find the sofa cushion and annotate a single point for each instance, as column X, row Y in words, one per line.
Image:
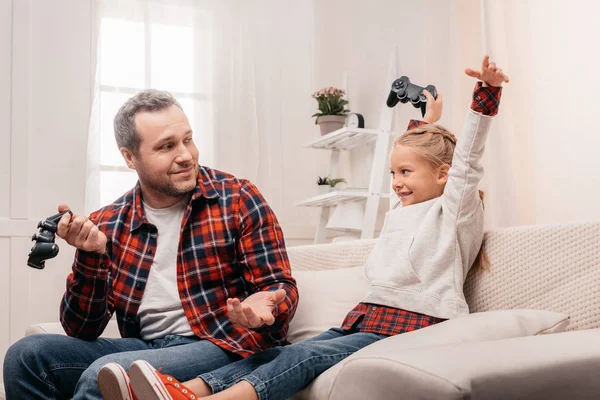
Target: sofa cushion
column 562, row 366
column 491, row 325
column 326, row 296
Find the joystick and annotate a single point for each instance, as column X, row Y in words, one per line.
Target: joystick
column 404, row 91
column 44, row 247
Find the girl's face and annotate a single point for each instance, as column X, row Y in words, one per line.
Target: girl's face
column 415, row 179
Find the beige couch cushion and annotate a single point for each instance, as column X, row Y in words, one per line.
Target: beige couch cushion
column 111, row 330
column 326, row 296
column 546, row 267
column 491, row 325
column 563, row 366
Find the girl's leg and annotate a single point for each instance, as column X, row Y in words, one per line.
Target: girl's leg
column 294, row 368
column 199, row 387
column 240, row 391
column 228, row 375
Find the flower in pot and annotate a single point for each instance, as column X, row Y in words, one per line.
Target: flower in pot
column 332, row 109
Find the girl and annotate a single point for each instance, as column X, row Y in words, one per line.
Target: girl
column 417, row 267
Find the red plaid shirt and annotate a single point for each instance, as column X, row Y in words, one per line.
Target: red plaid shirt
column 231, row 245
column 393, row 321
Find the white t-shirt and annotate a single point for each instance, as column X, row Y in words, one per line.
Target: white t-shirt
column 161, row 312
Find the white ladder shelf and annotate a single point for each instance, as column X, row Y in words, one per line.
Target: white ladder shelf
column 348, row 138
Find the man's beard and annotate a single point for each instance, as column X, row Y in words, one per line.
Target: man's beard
column 166, row 186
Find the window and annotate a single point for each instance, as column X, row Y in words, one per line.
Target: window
column 161, row 47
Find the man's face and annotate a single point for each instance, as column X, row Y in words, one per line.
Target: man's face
column 167, row 159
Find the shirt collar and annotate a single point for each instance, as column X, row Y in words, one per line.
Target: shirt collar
column 204, row 188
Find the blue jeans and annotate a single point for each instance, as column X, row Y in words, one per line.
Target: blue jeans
column 280, row 372
column 60, row 367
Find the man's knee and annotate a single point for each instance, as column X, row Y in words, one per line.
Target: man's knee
column 28, row 351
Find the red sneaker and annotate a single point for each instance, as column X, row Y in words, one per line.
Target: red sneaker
column 150, row 384
column 114, row 383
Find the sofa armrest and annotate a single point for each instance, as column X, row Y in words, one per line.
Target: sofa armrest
column 111, row 330
column 330, row 256
column 557, row 366
column 47, row 327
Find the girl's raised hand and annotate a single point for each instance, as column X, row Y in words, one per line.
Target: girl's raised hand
column 490, row 73
column 433, row 108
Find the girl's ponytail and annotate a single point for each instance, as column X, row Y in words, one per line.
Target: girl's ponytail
column 482, row 261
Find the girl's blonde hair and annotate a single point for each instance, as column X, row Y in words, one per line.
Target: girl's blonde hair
column 436, row 144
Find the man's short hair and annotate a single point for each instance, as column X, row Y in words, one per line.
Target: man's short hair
column 124, row 124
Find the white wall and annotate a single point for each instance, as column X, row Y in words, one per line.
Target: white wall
column 542, row 164
column 5, row 68
column 567, row 137
column 45, row 91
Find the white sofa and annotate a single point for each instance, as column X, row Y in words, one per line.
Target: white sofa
column 486, row 355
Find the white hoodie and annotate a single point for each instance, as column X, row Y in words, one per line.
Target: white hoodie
column 425, row 250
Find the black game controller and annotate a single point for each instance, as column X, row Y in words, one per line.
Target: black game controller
column 44, row 247
column 404, row 91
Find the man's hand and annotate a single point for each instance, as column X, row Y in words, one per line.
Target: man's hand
column 80, row 232
column 489, row 74
column 256, row 310
column 433, row 108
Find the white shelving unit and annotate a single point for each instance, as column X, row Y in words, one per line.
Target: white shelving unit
column 346, row 139
column 332, row 198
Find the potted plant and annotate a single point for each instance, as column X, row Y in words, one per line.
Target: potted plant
column 332, row 109
column 326, row 184
column 335, row 181
column 323, row 184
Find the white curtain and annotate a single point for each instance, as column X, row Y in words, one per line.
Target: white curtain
column 542, row 158
column 263, row 81
column 255, row 85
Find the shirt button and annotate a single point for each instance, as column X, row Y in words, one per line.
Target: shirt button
column 149, row 251
column 374, row 308
column 138, row 286
column 477, row 98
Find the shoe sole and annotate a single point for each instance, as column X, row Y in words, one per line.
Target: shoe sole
column 112, row 382
column 146, row 383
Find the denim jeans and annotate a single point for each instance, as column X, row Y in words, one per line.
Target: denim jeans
column 60, row 367
column 280, row 372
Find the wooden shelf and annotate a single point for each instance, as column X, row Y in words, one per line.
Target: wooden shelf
column 332, row 198
column 346, row 138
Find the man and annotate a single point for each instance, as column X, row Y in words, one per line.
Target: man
column 165, row 258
